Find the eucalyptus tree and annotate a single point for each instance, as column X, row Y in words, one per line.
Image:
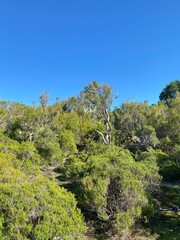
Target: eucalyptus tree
column 97, row 100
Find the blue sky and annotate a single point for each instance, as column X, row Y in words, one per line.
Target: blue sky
column 60, row 46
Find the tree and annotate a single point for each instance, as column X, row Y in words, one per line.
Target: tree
column 44, row 100
column 45, row 147
column 133, row 129
column 97, row 99
column 172, row 90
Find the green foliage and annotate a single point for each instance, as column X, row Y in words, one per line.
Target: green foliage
column 35, row 207
column 48, row 147
column 111, row 161
column 171, row 91
column 67, row 143
column 133, row 129
column 165, row 164
column 96, row 98
column 114, row 185
column 24, row 155
column 44, row 100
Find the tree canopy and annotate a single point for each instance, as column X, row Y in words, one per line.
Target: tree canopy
column 77, row 165
column 171, row 91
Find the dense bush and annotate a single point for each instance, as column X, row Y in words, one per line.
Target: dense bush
column 33, row 207
column 110, row 160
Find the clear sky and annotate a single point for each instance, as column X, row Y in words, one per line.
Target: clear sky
column 60, row 46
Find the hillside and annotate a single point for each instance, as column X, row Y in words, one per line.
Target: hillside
column 78, row 169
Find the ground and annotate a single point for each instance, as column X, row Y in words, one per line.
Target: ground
column 167, row 224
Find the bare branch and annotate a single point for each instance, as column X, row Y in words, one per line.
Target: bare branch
column 103, row 138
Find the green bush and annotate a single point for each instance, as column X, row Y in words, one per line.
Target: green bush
column 33, row 207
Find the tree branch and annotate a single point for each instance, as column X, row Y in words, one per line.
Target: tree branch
column 103, row 138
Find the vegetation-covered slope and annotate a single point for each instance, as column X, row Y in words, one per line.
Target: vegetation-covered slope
column 76, row 168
